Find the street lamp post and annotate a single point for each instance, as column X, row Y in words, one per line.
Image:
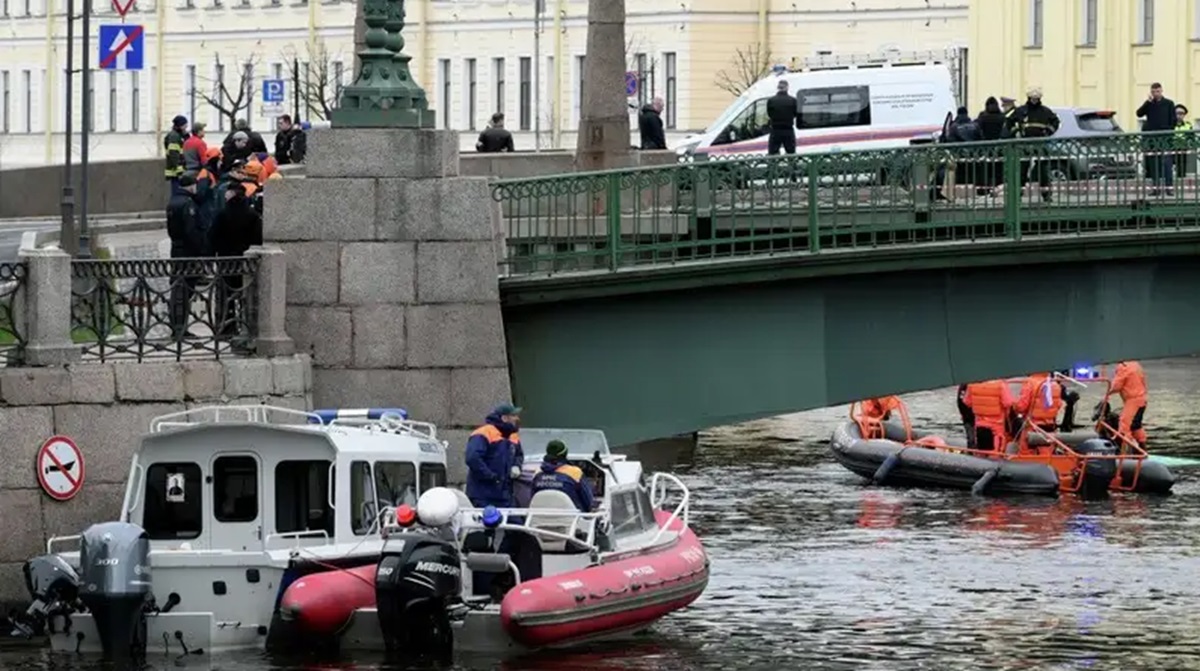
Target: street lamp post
column 66, row 232
column 85, row 246
column 384, row 95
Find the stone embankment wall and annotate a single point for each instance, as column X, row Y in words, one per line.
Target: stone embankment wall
column 105, row 408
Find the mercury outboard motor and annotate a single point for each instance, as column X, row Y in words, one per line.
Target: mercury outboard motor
column 114, row 560
column 54, row 587
column 419, row 578
column 1097, row 474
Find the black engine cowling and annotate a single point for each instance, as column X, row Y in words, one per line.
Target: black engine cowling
column 1097, row 473
column 418, row 579
column 54, row 587
column 114, row 562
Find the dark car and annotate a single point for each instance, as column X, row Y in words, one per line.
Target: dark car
column 1094, row 157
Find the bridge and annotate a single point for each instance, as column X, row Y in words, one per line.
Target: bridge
column 659, row 300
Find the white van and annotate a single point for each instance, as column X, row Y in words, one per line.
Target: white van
column 840, row 110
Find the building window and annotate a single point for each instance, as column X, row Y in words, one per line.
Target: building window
column 248, row 83
column 1146, row 35
column 444, row 71
column 28, row 8
column 551, row 91
column 579, row 62
column 4, row 8
column 218, row 93
column 1090, row 17
column 191, row 93
column 640, row 61
column 172, row 508
column 471, row 93
column 27, row 79
column 834, row 107
column 135, row 100
column 1036, row 23
column 671, row 101
column 6, row 110
column 526, row 92
column 112, row 101
column 302, row 497
column 498, row 76
column 235, row 489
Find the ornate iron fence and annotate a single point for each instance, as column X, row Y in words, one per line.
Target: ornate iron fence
column 169, row 309
column 12, row 289
column 816, row 203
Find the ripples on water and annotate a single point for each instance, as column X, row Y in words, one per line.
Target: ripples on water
column 812, row 570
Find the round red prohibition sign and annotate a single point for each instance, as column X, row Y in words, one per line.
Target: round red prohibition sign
column 60, row 468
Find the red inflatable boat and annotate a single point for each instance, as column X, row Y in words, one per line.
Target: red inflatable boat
column 322, row 604
column 623, row 595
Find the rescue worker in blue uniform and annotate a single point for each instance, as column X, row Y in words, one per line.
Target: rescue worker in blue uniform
column 494, row 458
column 560, row 476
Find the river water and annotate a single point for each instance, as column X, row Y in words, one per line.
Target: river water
column 813, row 570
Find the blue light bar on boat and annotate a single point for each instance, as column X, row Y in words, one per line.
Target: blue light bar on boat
column 327, row 416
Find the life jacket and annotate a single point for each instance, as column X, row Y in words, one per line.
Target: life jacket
column 1130, row 381
column 1038, row 411
column 205, row 174
column 878, row 408
column 987, row 401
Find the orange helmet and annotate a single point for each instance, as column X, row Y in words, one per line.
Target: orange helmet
column 211, row 153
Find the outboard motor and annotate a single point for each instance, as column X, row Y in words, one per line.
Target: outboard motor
column 419, row 577
column 114, row 561
column 1097, row 473
column 54, row 587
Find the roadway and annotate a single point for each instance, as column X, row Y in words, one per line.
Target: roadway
column 12, row 230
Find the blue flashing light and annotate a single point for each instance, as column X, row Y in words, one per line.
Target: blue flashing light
column 492, row 517
column 328, row 415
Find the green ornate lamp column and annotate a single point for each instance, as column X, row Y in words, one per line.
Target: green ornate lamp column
column 384, row 95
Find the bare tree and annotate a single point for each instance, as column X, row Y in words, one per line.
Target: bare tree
column 230, row 101
column 749, row 65
column 321, row 82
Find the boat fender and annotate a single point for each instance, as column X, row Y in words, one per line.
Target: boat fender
column 981, row 485
column 885, row 469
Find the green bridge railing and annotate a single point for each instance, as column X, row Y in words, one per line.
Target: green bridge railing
column 819, row 203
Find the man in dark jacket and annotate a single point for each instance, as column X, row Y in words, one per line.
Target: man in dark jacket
column 495, row 138
column 183, row 227
column 650, row 126
column 255, row 142
column 961, row 129
column 560, row 476
column 1159, row 113
column 173, row 144
column 494, row 458
column 238, row 227
column 782, row 110
column 290, row 142
column 1035, row 120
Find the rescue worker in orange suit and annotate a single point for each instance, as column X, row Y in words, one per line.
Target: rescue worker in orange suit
column 494, row 458
column 1129, row 380
column 991, row 401
column 560, row 476
column 1040, row 400
column 880, row 408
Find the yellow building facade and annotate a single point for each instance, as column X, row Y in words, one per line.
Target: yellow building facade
column 1086, row 53
column 473, row 57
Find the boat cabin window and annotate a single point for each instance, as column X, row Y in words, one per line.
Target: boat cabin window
column 834, row 107
column 363, row 502
column 396, row 483
column 302, row 497
column 235, row 489
column 172, row 505
column 632, row 513
column 432, row 475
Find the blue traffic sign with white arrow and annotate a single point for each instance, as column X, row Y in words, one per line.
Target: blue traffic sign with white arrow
column 122, row 47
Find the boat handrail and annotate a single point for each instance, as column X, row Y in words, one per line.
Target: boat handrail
column 137, row 475
column 864, row 423
column 472, row 519
column 50, row 542
column 389, row 423
column 297, row 536
column 249, row 414
column 658, row 496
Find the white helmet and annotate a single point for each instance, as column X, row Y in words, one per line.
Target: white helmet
column 437, row 507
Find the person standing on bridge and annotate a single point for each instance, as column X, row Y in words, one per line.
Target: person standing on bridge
column 494, row 458
column 1035, row 120
column 784, row 113
column 1129, row 380
column 194, row 149
column 650, row 126
column 173, row 144
column 1159, row 113
column 183, row 227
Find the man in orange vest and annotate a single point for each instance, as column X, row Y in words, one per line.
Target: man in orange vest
column 991, row 401
column 1129, row 381
column 494, row 458
column 1040, row 400
column 880, row 408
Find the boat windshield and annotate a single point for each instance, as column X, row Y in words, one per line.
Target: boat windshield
column 632, row 512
